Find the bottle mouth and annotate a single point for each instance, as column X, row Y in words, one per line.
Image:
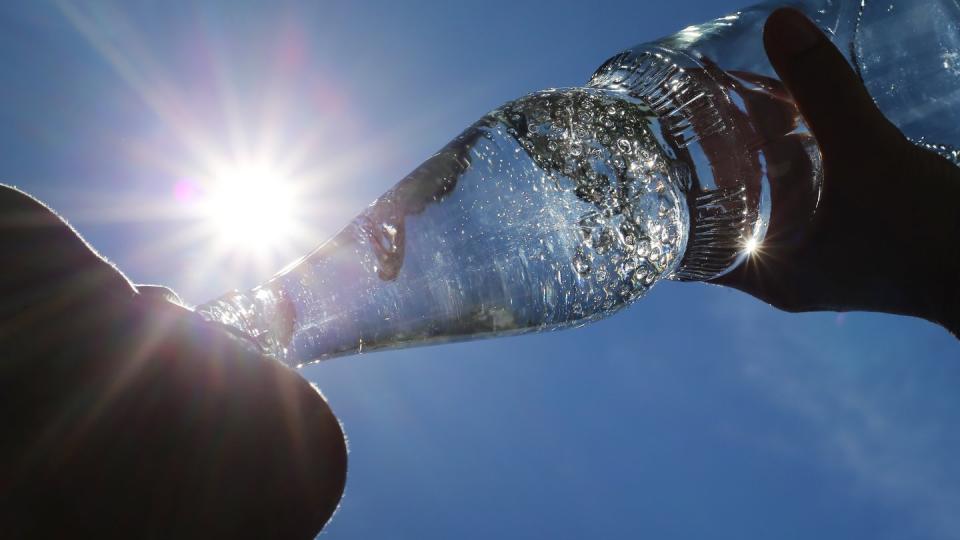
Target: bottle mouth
column 728, row 206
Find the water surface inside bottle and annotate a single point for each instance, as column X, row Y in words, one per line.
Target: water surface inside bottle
column 553, row 210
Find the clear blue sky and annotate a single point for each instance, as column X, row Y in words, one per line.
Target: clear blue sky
column 698, row 413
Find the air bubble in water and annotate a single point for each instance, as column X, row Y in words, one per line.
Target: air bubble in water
column 581, row 264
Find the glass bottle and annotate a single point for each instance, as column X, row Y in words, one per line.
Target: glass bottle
column 566, row 205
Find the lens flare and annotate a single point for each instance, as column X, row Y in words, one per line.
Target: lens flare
column 250, row 208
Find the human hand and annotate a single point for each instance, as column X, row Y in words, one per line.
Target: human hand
column 125, row 415
column 884, row 236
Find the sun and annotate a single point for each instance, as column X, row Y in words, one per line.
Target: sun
column 250, row 208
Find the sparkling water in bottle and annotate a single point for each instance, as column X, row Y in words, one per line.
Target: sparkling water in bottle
column 567, row 205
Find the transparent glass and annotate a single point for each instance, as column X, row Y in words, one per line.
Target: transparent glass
column 567, row 205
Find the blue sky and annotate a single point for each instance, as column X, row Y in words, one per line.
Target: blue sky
column 697, row 413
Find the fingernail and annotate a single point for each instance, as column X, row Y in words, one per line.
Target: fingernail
column 795, row 33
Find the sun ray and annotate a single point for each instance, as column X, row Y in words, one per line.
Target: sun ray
column 242, row 175
column 136, row 66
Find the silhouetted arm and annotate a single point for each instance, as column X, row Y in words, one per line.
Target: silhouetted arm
column 886, row 235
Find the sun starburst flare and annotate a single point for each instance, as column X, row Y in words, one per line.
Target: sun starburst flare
column 250, row 207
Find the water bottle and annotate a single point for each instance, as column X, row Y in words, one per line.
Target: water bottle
column 566, row 205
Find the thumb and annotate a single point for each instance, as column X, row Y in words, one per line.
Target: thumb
column 831, row 97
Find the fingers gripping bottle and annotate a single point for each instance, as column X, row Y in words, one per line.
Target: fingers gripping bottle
column 566, row 205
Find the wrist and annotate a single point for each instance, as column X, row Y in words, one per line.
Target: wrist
column 950, row 308
column 945, row 302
